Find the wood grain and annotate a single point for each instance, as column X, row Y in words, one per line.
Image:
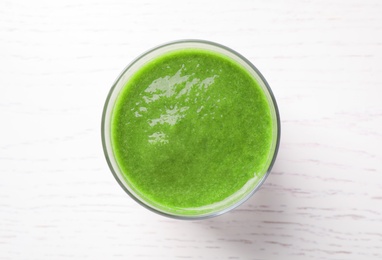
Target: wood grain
column 323, row 60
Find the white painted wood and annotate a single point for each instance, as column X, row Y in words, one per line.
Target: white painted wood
column 323, row 60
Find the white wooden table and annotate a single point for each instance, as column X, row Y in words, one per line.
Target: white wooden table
column 323, row 60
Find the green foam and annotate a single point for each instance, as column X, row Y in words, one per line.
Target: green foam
column 190, row 129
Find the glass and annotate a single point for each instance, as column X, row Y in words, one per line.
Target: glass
column 135, row 66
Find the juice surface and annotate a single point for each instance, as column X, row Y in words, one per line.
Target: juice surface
column 190, row 129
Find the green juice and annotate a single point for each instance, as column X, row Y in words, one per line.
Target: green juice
column 191, row 131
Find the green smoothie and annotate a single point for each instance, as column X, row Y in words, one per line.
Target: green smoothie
column 192, row 131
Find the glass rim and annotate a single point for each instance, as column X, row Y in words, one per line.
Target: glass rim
column 225, row 209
